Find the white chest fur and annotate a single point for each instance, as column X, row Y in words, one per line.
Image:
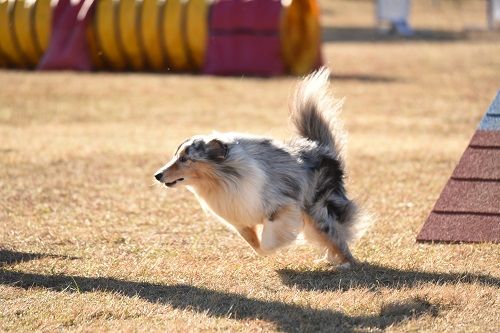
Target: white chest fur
column 238, row 204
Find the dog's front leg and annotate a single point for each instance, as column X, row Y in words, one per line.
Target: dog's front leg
column 250, row 235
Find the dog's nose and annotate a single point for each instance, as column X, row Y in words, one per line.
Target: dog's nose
column 158, row 176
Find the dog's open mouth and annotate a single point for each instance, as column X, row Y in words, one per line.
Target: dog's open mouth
column 174, row 182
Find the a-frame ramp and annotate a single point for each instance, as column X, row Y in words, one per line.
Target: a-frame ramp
column 468, row 209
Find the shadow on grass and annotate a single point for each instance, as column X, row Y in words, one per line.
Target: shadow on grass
column 371, row 34
column 8, row 257
column 368, row 78
column 287, row 317
column 374, row 277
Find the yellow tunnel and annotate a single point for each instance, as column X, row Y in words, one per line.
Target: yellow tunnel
column 154, row 35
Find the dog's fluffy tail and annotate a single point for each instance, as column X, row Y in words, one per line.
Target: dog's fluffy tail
column 314, row 112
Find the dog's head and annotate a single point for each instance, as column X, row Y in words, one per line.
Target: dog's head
column 193, row 161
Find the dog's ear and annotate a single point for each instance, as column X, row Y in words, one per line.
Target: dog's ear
column 216, row 150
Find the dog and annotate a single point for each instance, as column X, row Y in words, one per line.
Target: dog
column 272, row 192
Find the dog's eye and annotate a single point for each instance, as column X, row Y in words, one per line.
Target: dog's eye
column 183, row 159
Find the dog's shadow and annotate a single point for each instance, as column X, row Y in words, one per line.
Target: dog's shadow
column 287, row 317
column 10, row 257
column 375, row 277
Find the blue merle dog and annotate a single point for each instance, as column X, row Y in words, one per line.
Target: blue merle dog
column 273, row 192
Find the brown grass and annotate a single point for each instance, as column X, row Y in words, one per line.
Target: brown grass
column 88, row 244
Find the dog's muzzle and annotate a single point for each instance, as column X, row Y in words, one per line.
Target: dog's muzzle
column 159, row 177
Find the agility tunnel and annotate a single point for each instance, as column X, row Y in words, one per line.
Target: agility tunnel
column 222, row 37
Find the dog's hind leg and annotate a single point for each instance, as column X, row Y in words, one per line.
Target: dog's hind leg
column 282, row 228
column 337, row 250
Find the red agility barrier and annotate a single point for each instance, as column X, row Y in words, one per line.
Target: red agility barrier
column 255, row 15
column 68, row 47
column 237, row 55
column 244, row 38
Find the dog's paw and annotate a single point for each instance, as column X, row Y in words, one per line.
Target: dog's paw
column 335, row 261
column 324, row 259
column 352, row 264
column 261, row 252
column 332, row 258
column 344, row 266
column 320, row 261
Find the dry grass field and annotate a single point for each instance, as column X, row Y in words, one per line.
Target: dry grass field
column 88, row 243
